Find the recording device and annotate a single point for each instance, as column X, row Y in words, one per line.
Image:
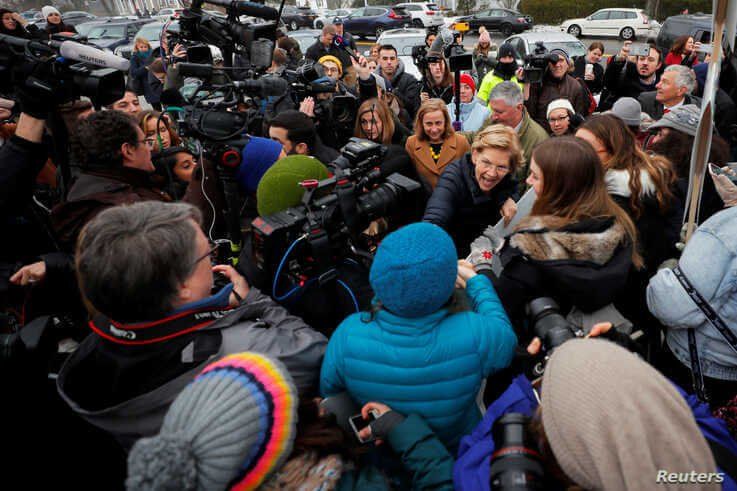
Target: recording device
column 358, row 423
column 341, row 44
column 550, row 326
column 67, row 70
column 419, row 57
column 730, row 173
column 536, row 63
column 448, row 43
column 639, row 49
column 705, row 48
column 516, row 464
column 307, row 241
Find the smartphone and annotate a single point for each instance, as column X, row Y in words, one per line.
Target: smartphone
column 706, row 49
column 639, row 49
column 358, row 423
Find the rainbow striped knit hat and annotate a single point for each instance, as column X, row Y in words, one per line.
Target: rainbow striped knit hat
column 231, row 428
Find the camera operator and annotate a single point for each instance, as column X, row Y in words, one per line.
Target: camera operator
column 297, row 134
column 604, row 419
column 557, row 83
column 577, row 245
column 145, row 271
column 506, row 69
column 624, row 78
column 325, row 46
column 437, row 81
column 400, row 83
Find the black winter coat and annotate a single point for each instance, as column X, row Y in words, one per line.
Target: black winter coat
column 459, row 206
column 584, row 264
column 622, row 80
column 579, row 72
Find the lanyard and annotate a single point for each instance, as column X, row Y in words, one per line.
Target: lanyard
column 714, row 320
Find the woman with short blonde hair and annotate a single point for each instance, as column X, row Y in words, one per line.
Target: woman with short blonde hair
column 435, row 144
column 479, row 189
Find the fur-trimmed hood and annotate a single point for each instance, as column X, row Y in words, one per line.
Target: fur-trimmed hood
column 545, row 238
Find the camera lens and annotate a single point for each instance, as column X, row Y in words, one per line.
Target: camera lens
column 515, row 465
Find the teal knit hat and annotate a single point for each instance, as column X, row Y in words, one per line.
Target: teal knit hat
column 279, row 188
column 414, row 271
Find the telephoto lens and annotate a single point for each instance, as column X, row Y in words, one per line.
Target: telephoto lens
column 547, row 323
column 515, row 465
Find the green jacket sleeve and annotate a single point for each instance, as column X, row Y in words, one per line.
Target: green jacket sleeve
column 423, row 456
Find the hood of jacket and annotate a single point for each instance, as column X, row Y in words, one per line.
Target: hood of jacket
column 585, row 263
column 397, row 74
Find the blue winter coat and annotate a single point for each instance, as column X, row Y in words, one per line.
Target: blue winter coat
column 431, row 366
column 471, row 470
column 473, row 114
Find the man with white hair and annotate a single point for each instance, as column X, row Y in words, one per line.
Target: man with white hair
column 674, row 89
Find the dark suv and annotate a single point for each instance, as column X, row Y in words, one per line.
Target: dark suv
column 372, row 21
column 296, row 17
column 113, row 33
column 698, row 26
column 503, row 20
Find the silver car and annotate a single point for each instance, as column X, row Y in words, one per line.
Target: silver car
column 524, row 44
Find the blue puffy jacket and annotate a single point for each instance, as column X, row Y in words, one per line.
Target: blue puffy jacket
column 431, row 366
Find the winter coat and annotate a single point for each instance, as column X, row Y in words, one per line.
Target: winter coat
column 454, row 148
column 541, row 95
column 405, row 87
column 137, row 73
column 657, row 231
column 482, row 63
column 473, row 114
column 460, row 207
column 471, row 470
column 318, row 50
column 94, row 376
column 584, row 264
column 435, row 92
column 656, row 109
column 621, row 79
column 52, row 29
column 432, row 366
column 674, row 59
column 152, row 88
column 710, row 264
column 490, row 81
column 579, row 71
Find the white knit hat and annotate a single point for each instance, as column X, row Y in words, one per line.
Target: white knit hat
column 560, row 104
column 48, row 10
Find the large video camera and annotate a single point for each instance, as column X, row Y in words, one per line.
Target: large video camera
column 307, row 242
column 536, row 63
column 66, row 70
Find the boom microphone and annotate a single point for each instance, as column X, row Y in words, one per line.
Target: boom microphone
column 94, row 56
column 444, row 38
column 251, row 9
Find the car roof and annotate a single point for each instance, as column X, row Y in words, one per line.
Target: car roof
column 533, row 37
column 305, row 33
column 404, row 31
column 622, row 9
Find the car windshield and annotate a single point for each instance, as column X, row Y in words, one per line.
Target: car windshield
column 404, row 44
column 150, row 33
column 83, row 29
column 431, row 6
column 99, row 32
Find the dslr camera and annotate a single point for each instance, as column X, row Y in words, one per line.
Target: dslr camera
column 550, row 326
column 516, row 464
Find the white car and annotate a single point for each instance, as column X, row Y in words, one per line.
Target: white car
column 404, row 40
column 329, row 16
column 525, row 44
column 423, row 14
column 624, row 23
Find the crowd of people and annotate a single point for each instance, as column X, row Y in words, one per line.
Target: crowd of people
column 537, row 273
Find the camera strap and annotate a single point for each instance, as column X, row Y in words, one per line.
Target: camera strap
column 143, row 333
column 714, row 320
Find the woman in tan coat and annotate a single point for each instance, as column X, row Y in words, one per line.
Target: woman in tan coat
column 435, row 144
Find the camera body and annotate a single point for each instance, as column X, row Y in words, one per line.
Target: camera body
column 308, row 240
column 550, row 326
column 536, row 63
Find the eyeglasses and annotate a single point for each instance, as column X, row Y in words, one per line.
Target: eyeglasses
column 558, row 120
column 500, row 169
column 211, row 253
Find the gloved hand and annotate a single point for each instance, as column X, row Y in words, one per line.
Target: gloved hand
column 726, row 188
column 35, row 89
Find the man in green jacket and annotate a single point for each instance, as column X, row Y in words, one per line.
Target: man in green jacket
column 508, row 108
column 506, row 69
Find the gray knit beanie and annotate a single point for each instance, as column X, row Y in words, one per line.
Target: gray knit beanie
column 613, row 421
column 234, row 425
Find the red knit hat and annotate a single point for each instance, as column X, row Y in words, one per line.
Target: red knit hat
column 468, row 80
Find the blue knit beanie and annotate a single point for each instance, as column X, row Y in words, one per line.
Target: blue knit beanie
column 256, row 158
column 414, row 270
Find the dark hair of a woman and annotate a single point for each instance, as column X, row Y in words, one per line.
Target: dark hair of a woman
column 677, row 146
column 574, row 188
column 626, row 154
column 679, row 45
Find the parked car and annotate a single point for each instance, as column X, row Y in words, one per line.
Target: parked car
column 296, row 17
column 168, row 13
column 404, row 40
column 84, row 28
column 423, row 14
column 329, row 16
column 372, row 21
column 525, row 44
column 626, row 24
column 151, row 32
column 305, row 37
column 110, row 35
column 504, row 20
column 697, row 26
column 71, row 18
column 30, row 14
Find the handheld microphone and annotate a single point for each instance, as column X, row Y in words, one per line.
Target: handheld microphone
column 340, row 43
column 94, row 56
column 250, row 9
